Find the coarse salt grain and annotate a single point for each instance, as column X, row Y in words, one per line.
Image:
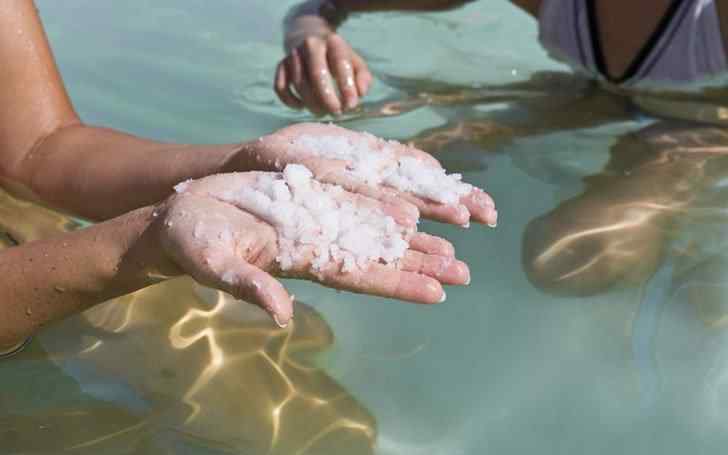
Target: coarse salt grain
column 373, row 161
column 311, row 216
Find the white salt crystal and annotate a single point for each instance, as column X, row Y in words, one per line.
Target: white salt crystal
column 182, row 186
column 374, row 162
column 313, row 217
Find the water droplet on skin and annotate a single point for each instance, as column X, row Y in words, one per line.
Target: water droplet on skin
column 59, row 289
column 28, row 311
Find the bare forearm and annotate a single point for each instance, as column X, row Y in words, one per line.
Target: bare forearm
column 100, row 173
column 47, row 280
column 321, row 17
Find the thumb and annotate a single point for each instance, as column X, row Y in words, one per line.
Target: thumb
column 249, row 283
column 246, row 282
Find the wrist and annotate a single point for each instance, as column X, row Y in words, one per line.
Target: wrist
column 311, row 19
column 145, row 261
column 306, row 28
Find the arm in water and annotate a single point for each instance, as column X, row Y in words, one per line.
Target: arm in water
column 47, row 153
column 319, row 62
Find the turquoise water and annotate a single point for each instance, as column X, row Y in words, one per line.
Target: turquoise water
column 639, row 365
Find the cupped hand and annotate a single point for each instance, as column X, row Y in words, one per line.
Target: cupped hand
column 323, row 74
column 275, row 151
column 209, row 237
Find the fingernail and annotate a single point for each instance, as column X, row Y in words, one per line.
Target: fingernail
column 444, row 297
column 494, row 223
column 280, row 324
column 464, row 214
column 467, row 281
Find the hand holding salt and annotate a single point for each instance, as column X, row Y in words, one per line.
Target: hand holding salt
column 232, row 231
column 384, row 170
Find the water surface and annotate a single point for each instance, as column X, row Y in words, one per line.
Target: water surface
column 616, row 343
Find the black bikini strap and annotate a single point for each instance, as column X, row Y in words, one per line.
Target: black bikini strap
column 644, row 51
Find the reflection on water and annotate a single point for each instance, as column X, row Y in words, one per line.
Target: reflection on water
column 175, row 368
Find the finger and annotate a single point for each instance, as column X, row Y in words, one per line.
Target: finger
column 384, row 281
column 343, row 71
column 404, row 213
column 431, row 244
column 300, row 82
column 247, row 282
column 453, row 214
column 244, row 281
column 481, row 207
column 283, row 88
column 408, row 150
column 318, row 74
column 363, row 77
column 398, row 209
column 416, row 206
column 214, row 253
column 445, row 269
column 310, row 98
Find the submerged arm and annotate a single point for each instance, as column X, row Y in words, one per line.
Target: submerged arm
column 47, row 153
column 47, row 280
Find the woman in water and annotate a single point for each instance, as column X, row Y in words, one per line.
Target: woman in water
column 624, row 44
column 48, row 155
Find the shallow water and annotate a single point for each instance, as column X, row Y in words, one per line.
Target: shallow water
column 634, row 361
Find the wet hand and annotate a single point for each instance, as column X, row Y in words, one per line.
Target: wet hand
column 322, row 74
column 224, row 246
column 275, row 151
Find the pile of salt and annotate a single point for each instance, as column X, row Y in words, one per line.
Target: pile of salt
column 375, row 162
column 311, row 217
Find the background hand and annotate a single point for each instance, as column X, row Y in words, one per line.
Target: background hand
column 323, row 74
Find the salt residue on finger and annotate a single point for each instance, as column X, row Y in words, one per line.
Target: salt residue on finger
column 310, row 216
column 375, row 162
